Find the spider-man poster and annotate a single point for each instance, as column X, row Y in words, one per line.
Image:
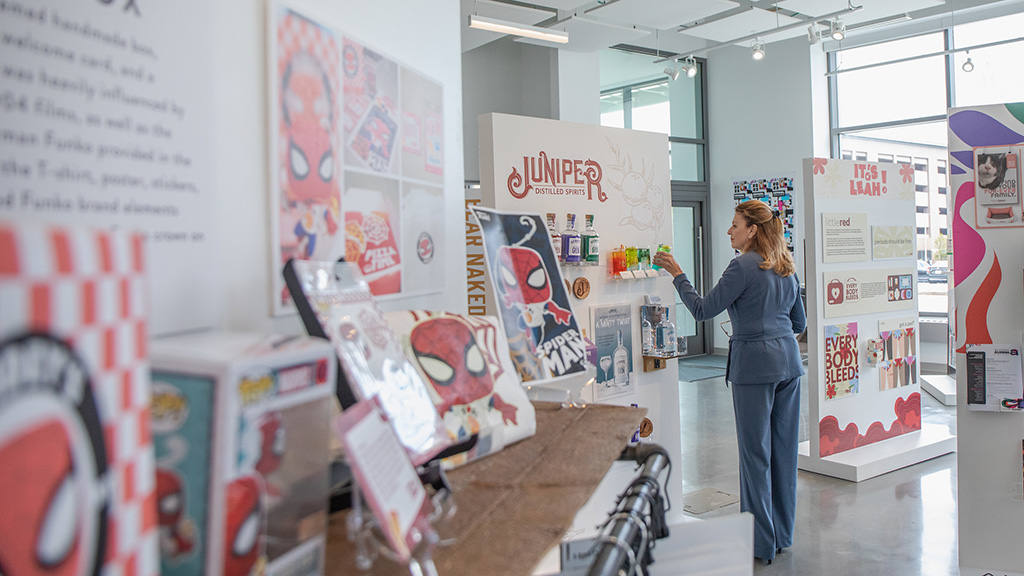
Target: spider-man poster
column 544, row 339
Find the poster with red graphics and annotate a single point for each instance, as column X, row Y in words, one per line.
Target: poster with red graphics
column 372, row 230
column 842, row 367
column 306, row 192
column 544, row 339
column 997, row 194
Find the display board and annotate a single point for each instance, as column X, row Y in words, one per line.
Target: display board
column 988, row 312
column 621, row 177
column 105, row 121
column 862, row 321
column 778, row 191
column 356, row 158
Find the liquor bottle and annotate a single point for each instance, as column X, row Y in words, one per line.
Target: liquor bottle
column 643, row 256
column 591, row 242
column 556, row 238
column 620, row 359
column 570, row 240
column 646, row 335
column 666, row 335
column 618, row 260
column 631, row 259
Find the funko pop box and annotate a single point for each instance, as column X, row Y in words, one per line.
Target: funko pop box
column 241, row 428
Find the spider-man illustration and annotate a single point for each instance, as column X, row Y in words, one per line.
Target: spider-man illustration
column 458, row 369
column 176, row 531
column 272, row 445
column 243, row 531
column 307, row 110
column 524, row 284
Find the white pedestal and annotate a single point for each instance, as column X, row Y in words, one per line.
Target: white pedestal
column 942, row 387
column 881, row 457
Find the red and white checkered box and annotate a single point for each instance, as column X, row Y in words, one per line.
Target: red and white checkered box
column 76, row 456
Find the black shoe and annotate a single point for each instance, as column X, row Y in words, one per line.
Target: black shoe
column 766, row 561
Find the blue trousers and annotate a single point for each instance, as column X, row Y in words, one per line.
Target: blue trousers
column 768, row 434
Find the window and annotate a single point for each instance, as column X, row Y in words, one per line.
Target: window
column 903, row 159
column 989, row 82
column 942, row 210
column 885, row 157
column 862, row 156
column 942, row 189
column 944, row 231
column 941, row 166
column 921, row 230
column 921, row 164
column 922, row 209
column 921, row 188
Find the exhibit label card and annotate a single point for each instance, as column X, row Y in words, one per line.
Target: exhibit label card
column 855, row 292
column 892, row 242
column 842, row 366
column 993, row 375
column 385, row 474
column 844, row 236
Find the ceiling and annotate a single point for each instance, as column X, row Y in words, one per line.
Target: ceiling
column 685, row 27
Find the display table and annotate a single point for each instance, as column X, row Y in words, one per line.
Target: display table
column 515, row 505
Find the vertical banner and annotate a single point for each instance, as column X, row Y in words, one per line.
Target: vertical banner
column 613, row 329
column 544, row 338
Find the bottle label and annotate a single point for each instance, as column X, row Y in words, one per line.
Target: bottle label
column 593, row 249
column 572, row 252
column 556, row 243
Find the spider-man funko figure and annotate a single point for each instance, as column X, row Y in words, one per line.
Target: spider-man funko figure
column 175, row 529
column 457, row 368
column 523, row 283
column 243, row 537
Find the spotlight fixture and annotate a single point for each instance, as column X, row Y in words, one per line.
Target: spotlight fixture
column 757, row 50
column 517, row 29
column 673, row 72
column 691, row 67
column 969, row 65
column 838, row 30
column 813, row 37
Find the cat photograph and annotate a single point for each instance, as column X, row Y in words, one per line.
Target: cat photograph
column 991, row 169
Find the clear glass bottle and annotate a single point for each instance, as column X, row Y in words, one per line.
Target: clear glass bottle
column 646, row 335
column 632, row 263
column 556, row 237
column 620, row 359
column 570, row 240
column 618, row 260
column 591, row 242
column 643, row 256
column 666, row 335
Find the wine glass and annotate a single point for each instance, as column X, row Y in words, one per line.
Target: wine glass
column 606, row 363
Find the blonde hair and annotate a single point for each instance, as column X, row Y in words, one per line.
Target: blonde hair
column 769, row 240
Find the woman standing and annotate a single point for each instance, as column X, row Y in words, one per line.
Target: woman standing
column 760, row 290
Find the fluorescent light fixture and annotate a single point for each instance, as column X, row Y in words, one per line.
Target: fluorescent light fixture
column 672, row 73
column 838, row 30
column 691, row 67
column 517, row 29
column 757, row 50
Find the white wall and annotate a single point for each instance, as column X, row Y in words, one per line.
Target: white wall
column 579, row 87
column 425, row 37
column 761, row 122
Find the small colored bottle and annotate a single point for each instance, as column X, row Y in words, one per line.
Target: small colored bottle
column 662, row 248
column 643, row 256
column 570, row 240
column 631, row 258
column 618, row 260
column 556, row 237
column 591, row 242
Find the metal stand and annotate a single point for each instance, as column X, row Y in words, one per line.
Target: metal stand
column 628, row 535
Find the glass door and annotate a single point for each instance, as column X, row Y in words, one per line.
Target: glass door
column 688, row 249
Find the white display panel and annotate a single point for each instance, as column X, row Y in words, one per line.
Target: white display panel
column 105, row 121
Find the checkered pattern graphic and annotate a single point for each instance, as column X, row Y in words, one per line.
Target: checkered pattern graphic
column 87, row 288
column 295, row 34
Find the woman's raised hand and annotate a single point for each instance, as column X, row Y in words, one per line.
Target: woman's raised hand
column 666, row 261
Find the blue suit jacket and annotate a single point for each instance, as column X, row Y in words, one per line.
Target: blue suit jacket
column 766, row 312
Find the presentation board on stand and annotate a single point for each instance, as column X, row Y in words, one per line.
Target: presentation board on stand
column 619, row 177
column 985, row 143
column 862, row 367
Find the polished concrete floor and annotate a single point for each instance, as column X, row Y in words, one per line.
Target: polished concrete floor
column 901, row 523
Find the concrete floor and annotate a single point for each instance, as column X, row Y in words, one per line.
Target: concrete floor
column 903, row 522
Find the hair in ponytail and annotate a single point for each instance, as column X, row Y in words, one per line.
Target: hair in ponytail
column 769, row 240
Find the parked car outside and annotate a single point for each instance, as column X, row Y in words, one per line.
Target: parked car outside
column 922, row 272
column 937, row 272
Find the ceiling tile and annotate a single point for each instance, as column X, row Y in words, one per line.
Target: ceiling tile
column 586, row 35
column 739, row 25
column 661, row 15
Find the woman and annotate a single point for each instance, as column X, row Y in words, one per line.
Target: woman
column 760, row 290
